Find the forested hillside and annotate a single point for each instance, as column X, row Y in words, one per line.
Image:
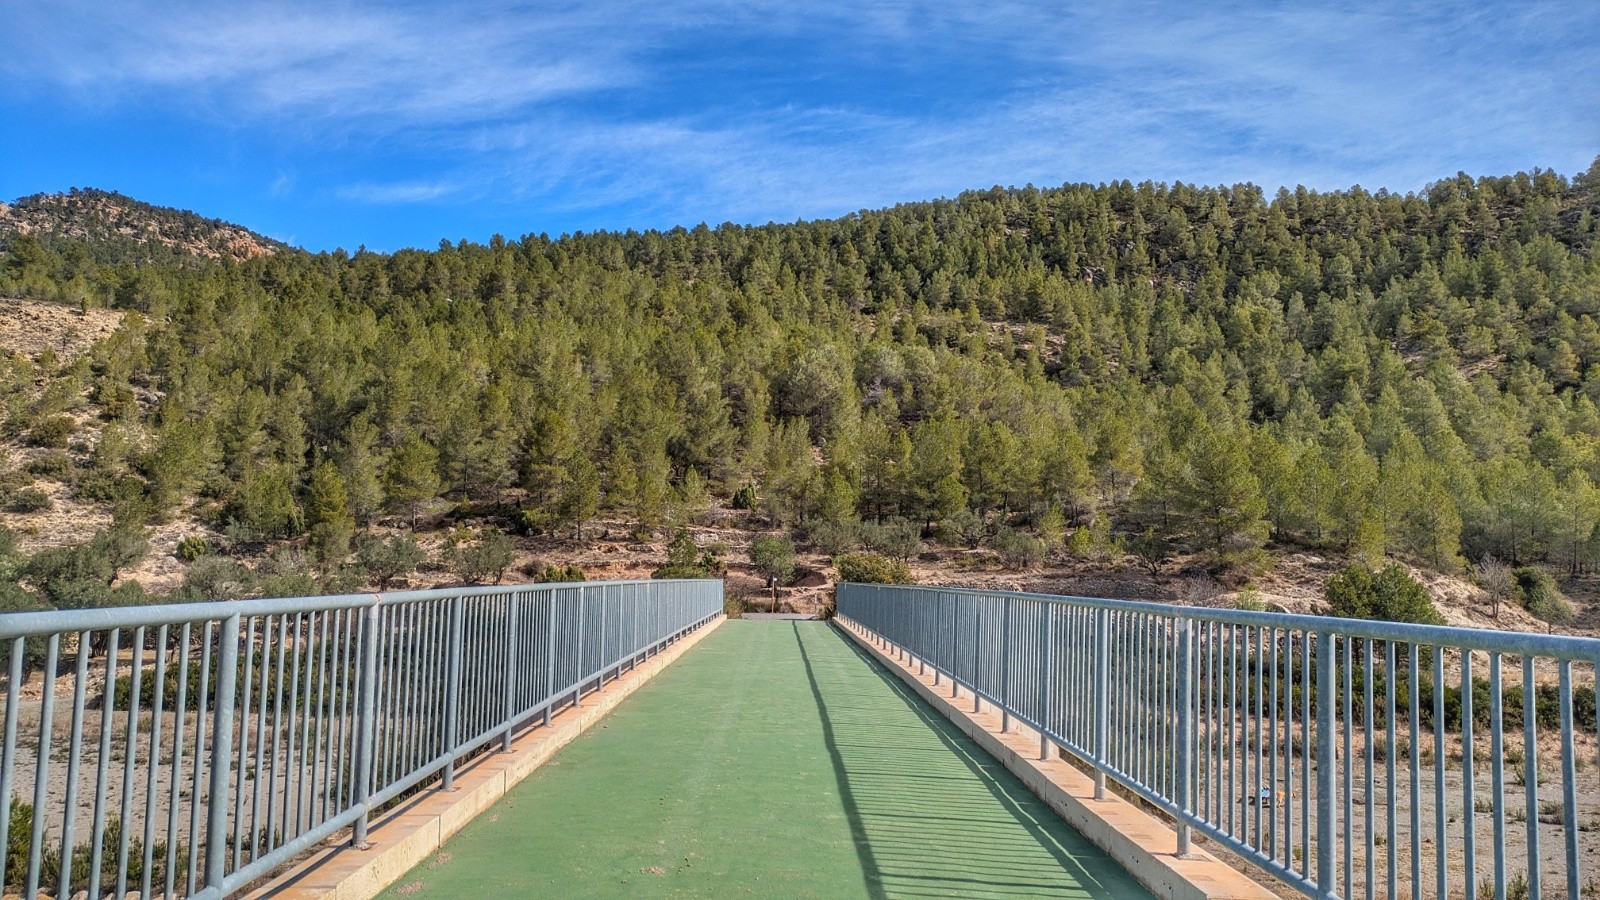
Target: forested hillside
column 1150, row 368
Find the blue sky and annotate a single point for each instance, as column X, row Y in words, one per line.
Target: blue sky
column 390, row 124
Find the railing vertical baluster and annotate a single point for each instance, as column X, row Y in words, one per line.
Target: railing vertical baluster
column 367, row 726
column 1005, row 667
column 577, row 646
column 1184, row 786
column 550, row 661
column 221, row 751
column 9, row 757
column 41, row 773
column 508, row 710
column 1530, row 780
column 452, row 691
column 1469, row 849
column 1045, row 684
column 1325, row 701
column 1569, row 777
column 1497, row 771
column 1102, row 699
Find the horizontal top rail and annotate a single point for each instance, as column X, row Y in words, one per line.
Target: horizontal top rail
column 1559, row 646
column 46, row 622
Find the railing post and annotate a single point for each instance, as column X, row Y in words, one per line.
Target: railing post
column 1185, row 732
column 977, row 656
column 1005, row 668
column 1325, row 763
column 1102, row 699
column 550, row 663
column 452, row 692
column 583, row 613
column 367, row 724
column 509, row 708
column 1045, row 683
column 221, row 754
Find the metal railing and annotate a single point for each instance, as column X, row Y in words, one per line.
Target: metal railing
column 1345, row 758
column 203, row 745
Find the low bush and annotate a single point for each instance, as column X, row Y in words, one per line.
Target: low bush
column 1390, row 595
column 1017, row 549
column 872, row 568
column 1537, row 590
column 192, row 547
column 682, row 554
column 30, row 500
column 54, row 464
column 487, row 557
column 385, row 560
column 558, row 574
column 773, row 556
column 832, row 538
column 53, row 432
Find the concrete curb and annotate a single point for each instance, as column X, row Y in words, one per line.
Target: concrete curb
column 408, row 834
column 1138, row 841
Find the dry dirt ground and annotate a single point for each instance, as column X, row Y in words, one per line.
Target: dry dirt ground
column 28, row 327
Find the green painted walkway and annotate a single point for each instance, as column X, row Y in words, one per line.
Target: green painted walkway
column 773, row 760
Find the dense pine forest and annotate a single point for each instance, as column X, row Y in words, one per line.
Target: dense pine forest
column 1153, row 368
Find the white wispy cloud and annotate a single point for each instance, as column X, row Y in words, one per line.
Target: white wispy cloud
column 397, row 192
column 335, row 63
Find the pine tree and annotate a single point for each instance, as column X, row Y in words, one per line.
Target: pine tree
column 328, row 517
column 412, row 477
column 1219, row 495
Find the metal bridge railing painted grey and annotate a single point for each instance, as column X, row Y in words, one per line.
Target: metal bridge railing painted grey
column 202, row 745
column 1345, row 758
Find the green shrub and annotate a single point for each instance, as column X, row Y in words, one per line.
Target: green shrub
column 53, row 432
column 1536, row 589
column 487, row 557
column 559, row 575
column 964, row 529
column 1390, row 595
column 1249, row 600
column 386, row 560
column 897, row 538
column 18, row 838
column 216, row 578
column 683, row 558
column 192, row 547
column 744, row 497
column 1553, row 609
column 832, row 538
column 1017, row 549
column 54, row 464
column 773, row 556
column 872, row 568
column 103, row 486
column 30, row 500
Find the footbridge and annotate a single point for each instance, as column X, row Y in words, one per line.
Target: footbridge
column 623, row 739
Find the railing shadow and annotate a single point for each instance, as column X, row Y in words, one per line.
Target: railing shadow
column 921, row 797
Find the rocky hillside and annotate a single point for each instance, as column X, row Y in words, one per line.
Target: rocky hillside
column 119, row 228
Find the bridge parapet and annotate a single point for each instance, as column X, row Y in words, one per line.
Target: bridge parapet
column 204, row 745
column 1342, row 757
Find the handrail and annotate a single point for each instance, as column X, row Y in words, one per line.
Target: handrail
column 206, row 744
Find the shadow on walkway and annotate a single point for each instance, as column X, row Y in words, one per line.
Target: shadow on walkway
column 931, row 813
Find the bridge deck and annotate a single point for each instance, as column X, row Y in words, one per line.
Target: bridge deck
column 772, row 761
